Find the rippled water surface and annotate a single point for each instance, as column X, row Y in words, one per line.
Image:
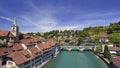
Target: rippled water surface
column 75, row 59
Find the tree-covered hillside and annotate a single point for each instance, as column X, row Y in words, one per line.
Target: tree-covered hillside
column 113, row 31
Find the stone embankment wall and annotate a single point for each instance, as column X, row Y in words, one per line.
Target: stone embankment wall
column 109, row 64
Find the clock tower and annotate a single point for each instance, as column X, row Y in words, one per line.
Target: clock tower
column 15, row 31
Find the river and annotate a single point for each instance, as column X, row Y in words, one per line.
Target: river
column 75, row 59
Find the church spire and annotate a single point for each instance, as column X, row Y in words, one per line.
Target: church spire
column 15, row 30
column 14, row 23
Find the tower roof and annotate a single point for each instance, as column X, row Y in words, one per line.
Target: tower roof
column 15, row 23
column 103, row 34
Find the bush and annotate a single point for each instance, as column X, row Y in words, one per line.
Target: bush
column 106, row 52
column 3, row 45
column 67, row 40
column 27, row 56
column 80, row 39
column 98, row 49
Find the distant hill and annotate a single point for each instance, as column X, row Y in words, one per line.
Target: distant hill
column 113, row 31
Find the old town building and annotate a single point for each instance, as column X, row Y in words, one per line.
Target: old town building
column 103, row 37
column 29, row 52
column 9, row 37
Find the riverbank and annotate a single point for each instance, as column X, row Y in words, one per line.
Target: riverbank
column 107, row 62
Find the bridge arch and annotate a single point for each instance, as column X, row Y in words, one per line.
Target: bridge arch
column 64, row 49
column 80, row 48
column 75, row 49
column 86, row 49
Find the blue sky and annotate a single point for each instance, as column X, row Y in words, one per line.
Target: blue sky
column 47, row 15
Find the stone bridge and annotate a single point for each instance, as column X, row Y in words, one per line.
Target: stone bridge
column 80, row 48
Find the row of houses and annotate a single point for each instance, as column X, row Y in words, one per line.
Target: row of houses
column 115, row 62
column 115, row 59
column 30, row 52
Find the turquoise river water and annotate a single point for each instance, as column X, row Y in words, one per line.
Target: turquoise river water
column 75, row 59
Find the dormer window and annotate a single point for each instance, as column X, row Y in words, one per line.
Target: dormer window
column 10, row 63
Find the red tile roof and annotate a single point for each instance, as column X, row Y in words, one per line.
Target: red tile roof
column 4, row 33
column 18, row 57
column 35, row 51
column 6, row 51
column 28, row 42
column 11, row 35
column 17, row 46
column 25, row 52
column 52, row 43
column 116, row 61
column 103, row 34
column 43, row 46
column 33, row 37
column 26, row 36
column 113, row 48
column 1, row 53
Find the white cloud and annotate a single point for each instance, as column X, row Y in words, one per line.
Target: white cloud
column 47, row 24
column 6, row 18
column 43, row 20
column 99, row 22
column 98, row 15
column 68, row 27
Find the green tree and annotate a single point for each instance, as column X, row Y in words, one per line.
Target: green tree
column 67, row 40
column 38, row 34
column 20, row 35
column 3, row 45
column 80, row 39
column 115, row 38
column 106, row 52
column 109, row 30
column 62, row 43
column 98, row 49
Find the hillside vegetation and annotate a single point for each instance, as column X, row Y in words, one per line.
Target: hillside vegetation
column 92, row 33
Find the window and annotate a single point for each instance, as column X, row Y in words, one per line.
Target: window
column 2, row 38
column 26, row 63
column 27, row 66
column 13, row 29
column 10, row 63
